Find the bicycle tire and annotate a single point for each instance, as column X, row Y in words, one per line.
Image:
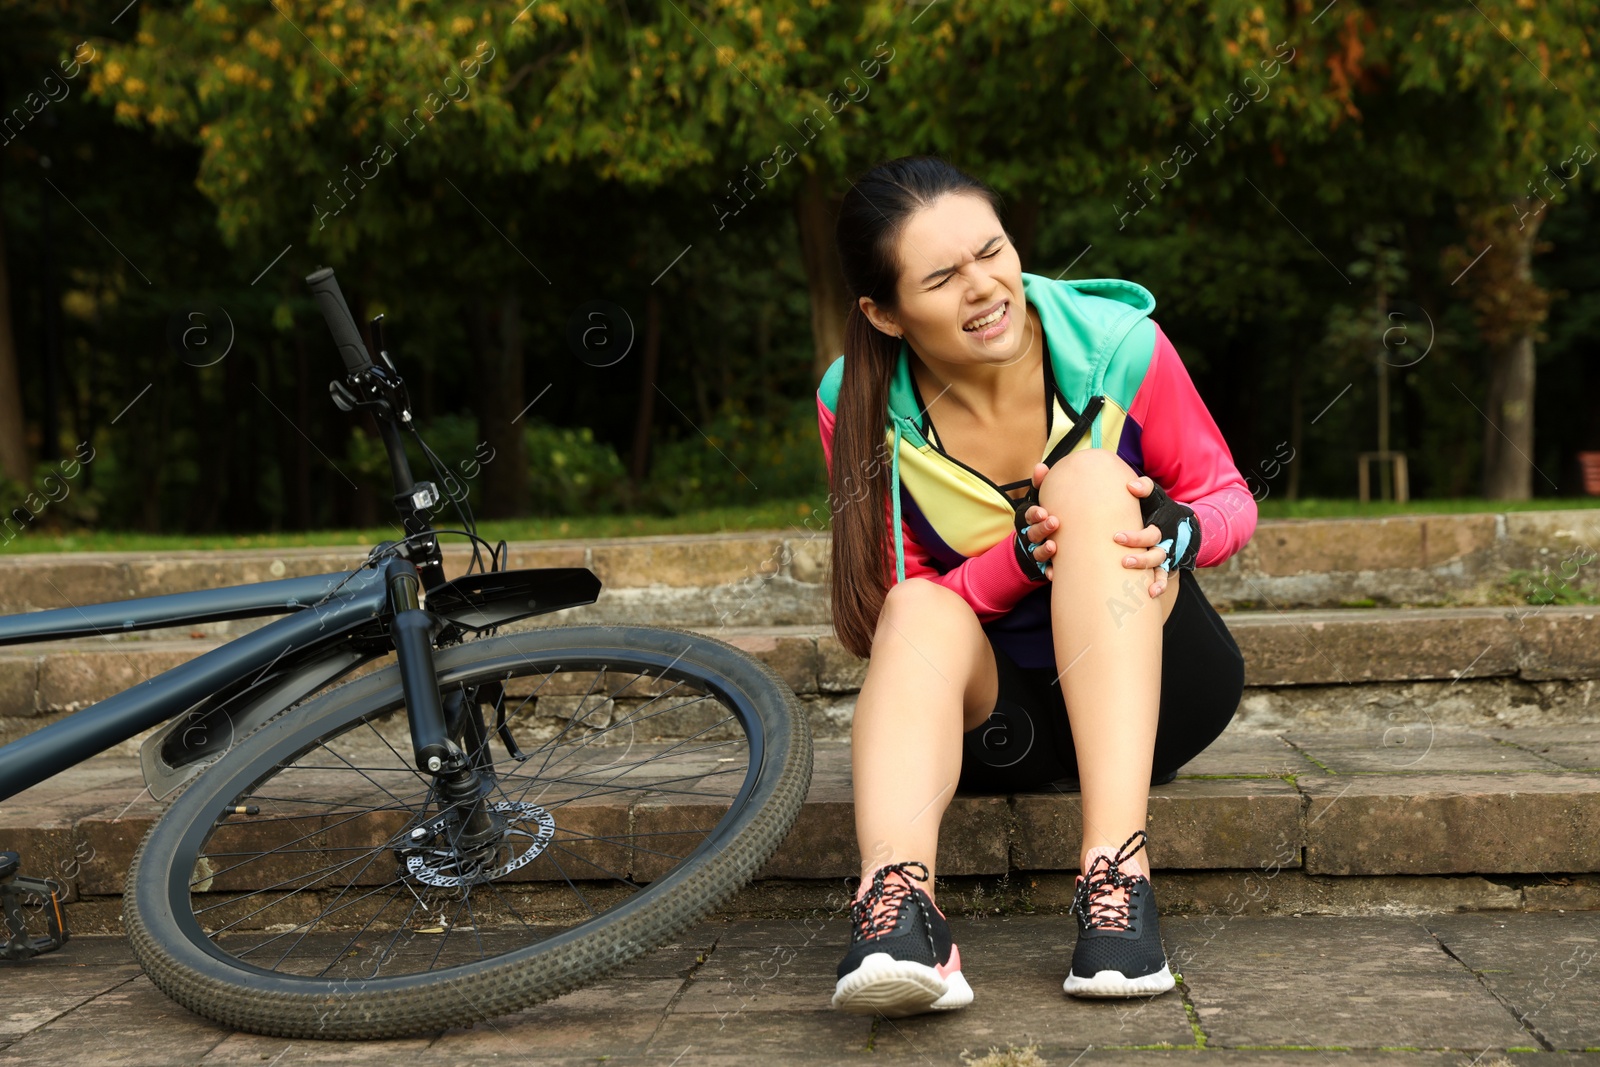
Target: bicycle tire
column 186, row 964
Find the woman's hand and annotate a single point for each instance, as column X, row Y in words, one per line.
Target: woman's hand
column 1156, row 558
column 1041, row 524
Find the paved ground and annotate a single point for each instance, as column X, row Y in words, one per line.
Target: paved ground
column 1441, row 991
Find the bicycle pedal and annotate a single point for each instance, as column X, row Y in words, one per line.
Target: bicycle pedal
column 17, row 893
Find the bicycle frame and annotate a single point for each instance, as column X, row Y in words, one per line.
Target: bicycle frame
column 334, row 623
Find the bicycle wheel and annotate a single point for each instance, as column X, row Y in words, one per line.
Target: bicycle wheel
column 312, row 883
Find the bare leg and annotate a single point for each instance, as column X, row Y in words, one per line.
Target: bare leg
column 1107, row 630
column 930, row 678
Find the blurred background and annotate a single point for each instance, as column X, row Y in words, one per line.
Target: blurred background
column 601, row 235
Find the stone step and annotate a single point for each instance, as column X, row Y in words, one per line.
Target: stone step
column 781, row 577
column 1499, row 818
column 1408, row 669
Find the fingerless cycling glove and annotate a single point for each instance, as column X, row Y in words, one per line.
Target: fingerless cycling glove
column 1024, row 548
column 1180, row 529
column 1179, row 526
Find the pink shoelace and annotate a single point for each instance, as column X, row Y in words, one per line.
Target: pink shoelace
column 873, row 913
column 1102, row 896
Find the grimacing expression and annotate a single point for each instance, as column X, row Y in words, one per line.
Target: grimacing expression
column 958, row 269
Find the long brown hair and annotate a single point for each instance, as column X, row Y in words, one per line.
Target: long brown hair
column 873, row 214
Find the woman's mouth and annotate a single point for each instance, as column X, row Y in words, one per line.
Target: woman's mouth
column 992, row 323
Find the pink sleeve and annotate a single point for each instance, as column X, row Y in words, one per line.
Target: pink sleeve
column 1185, row 452
column 991, row 582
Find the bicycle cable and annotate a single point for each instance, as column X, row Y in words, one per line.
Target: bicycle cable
column 393, row 548
column 466, row 516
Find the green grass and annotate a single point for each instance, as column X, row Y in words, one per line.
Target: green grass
column 1342, row 508
column 795, row 517
column 1225, row 777
column 1190, row 1011
column 1315, row 760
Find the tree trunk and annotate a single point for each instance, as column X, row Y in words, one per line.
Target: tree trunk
column 50, row 438
column 644, row 418
column 1509, row 306
column 14, row 463
column 1508, row 459
column 1296, row 428
column 298, row 448
column 1024, row 227
column 505, row 477
column 816, row 214
column 213, row 441
column 154, row 461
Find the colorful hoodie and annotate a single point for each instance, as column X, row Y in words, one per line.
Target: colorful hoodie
column 1106, row 357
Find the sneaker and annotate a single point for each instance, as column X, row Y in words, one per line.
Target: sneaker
column 1119, row 950
column 901, row 959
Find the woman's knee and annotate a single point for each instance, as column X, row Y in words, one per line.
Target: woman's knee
column 918, row 598
column 1085, row 475
column 937, row 626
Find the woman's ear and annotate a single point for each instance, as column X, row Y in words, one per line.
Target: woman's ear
column 879, row 320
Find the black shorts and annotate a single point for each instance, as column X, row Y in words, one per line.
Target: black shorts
column 1026, row 743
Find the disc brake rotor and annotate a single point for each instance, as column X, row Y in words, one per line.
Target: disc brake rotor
column 527, row 833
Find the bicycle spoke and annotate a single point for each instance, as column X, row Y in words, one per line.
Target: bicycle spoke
column 578, row 892
column 613, row 874
column 349, row 828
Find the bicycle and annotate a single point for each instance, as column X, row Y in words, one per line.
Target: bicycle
column 483, row 824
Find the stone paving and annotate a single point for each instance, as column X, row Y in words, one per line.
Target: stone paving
column 1492, row 819
column 780, row 576
column 1457, row 990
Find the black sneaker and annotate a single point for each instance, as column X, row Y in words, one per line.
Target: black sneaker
column 901, row 959
column 1119, row 950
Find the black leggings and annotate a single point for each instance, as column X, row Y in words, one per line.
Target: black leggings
column 1026, row 742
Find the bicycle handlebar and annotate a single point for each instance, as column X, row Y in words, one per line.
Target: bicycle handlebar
column 325, row 287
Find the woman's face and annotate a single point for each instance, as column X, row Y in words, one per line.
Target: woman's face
column 958, row 269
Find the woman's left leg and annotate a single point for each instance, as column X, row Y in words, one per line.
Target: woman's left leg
column 1108, row 641
column 1108, row 634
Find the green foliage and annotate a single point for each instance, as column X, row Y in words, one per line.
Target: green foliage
column 743, row 457
column 56, row 499
column 445, row 155
column 570, row 473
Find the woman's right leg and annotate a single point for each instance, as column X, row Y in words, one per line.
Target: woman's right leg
column 931, row 678
column 931, row 675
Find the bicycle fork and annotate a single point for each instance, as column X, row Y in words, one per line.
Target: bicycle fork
column 457, row 779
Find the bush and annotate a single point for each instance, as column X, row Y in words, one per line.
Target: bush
column 57, row 498
column 572, row 473
column 741, row 458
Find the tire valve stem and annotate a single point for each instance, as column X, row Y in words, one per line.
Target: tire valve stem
column 244, row 809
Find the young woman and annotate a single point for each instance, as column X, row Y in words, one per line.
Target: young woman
column 1022, row 472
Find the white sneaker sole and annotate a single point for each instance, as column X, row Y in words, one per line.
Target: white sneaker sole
column 893, row 988
column 1114, row 984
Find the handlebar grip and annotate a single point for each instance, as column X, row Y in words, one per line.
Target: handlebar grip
column 325, row 287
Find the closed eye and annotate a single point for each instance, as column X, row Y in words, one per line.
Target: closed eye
column 947, row 277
